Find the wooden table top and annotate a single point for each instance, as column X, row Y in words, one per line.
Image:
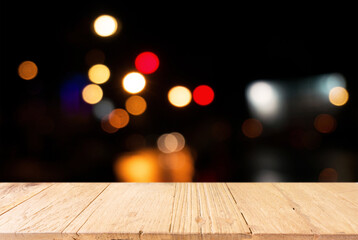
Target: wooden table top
column 121, row 211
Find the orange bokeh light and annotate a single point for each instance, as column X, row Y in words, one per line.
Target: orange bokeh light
column 252, row 128
column 325, row 123
column 119, row 118
column 27, row 70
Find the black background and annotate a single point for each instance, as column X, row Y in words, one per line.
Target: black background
column 224, row 45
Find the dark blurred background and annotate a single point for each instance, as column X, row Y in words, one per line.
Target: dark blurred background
column 271, row 66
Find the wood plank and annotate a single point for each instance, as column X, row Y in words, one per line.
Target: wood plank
column 127, row 211
column 269, row 214
column 143, row 211
column 12, row 194
column 206, row 211
column 328, row 214
column 49, row 212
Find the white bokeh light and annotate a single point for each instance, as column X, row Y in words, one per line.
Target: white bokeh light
column 263, row 99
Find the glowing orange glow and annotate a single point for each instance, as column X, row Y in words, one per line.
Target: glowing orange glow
column 149, row 165
column 119, row 118
column 179, row 96
column 99, row 73
column 27, row 70
column 325, row 123
column 136, row 105
column 338, row 96
column 92, row 94
column 106, row 126
column 134, row 82
column 105, row 25
column 178, row 165
column 252, row 128
column 142, row 166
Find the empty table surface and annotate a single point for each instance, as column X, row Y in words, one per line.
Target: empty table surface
column 121, row 211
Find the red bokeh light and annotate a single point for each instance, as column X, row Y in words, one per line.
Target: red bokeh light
column 147, row 62
column 203, row 95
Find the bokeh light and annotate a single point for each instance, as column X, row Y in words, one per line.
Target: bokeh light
column 338, row 96
column 103, row 108
column 133, row 82
column 27, row 70
column 263, row 99
column 136, row 105
column 179, row 96
column 328, row 81
column 147, row 62
column 251, row 128
column 141, row 166
column 119, row 118
column 99, row 73
column 328, row 175
column 105, row 25
column 150, row 165
column 106, row 126
column 171, row 142
column 92, row 94
column 203, row 95
column 325, row 123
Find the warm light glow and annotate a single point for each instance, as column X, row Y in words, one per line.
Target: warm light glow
column 136, row 105
column 99, row 73
column 179, row 96
column 325, row 123
column 252, row 128
column 106, row 126
column 142, row 166
column 263, row 99
column 338, row 96
column 150, row 165
column 105, row 25
column 133, row 82
column 203, row 95
column 92, row 94
column 119, row 118
column 328, row 175
column 171, row 142
column 27, row 70
column 147, row 62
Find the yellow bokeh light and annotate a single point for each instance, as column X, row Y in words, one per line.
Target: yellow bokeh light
column 133, row 82
column 179, row 96
column 92, row 94
column 338, row 96
column 136, row 105
column 142, row 166
column 119, row 118
column 105, row 25
column 99, row 73
column 27, row 70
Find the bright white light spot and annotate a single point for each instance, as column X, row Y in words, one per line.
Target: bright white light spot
column 105, row 25
column 263, row 98
column 133, row 82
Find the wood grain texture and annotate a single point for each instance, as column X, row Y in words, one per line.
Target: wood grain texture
column 129, row 211
column 12, row 194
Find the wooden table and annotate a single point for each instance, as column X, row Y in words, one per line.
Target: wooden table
column 119, row 211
